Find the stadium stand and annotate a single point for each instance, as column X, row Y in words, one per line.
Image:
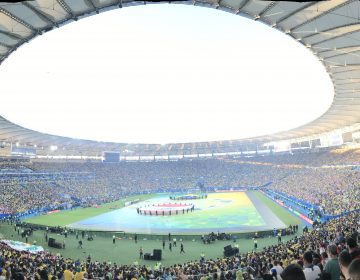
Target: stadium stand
column 329, row 29
column 43, row 185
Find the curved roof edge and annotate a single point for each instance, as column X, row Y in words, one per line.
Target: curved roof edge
column 329, row 29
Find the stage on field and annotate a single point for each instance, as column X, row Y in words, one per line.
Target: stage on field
column 223, row 212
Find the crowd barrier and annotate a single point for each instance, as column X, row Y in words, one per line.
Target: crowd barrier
column 302, row 207
column 2, row 216
column 289, row 208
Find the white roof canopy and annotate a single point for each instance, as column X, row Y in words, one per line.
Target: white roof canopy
column 330, row 29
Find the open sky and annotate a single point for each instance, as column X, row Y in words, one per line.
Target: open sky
column 161, row 74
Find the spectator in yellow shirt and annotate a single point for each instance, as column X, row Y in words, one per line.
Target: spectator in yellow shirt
column 68, row 275
column 79, row 275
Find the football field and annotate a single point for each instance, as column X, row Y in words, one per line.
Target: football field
column 235, row 212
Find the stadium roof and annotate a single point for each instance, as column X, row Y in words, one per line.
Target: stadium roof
column 330, row 29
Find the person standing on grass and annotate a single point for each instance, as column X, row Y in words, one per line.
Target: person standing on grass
column 170, row 246
column 113, row 239
column 141, row 252
column 182, row 248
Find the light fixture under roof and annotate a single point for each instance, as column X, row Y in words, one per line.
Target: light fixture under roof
column 53, row 148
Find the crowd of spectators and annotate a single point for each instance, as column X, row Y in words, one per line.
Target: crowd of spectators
column 93, row 183
column 35, row 184
column 312, row 157
column 19, row 196
column 327, row 249
column 334, row 191
column 326, row 252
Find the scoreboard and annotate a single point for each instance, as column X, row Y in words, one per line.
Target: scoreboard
column 111, row 157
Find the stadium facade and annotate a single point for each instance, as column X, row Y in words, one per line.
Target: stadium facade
column 329, row 29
